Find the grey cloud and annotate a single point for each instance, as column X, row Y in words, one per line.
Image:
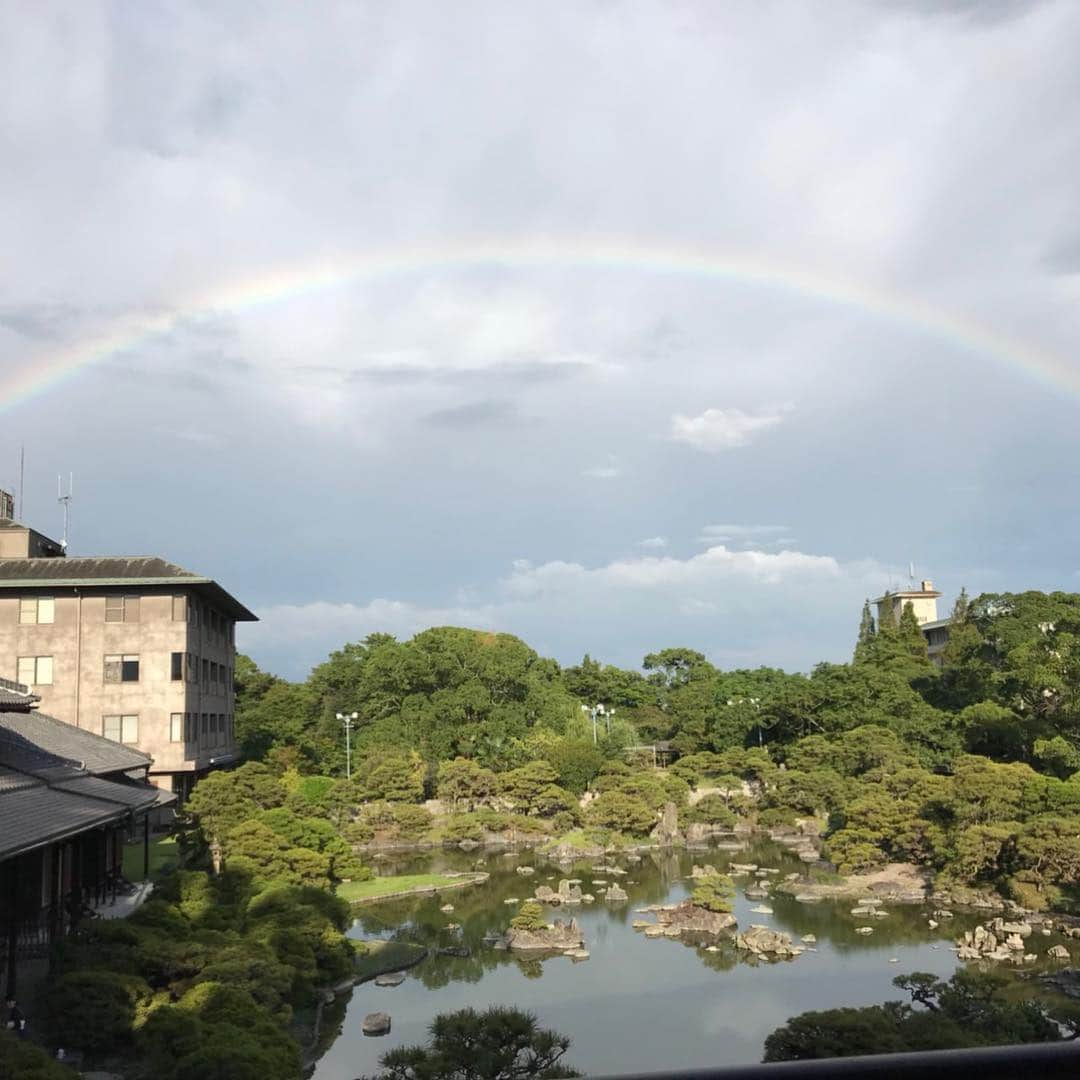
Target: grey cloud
column 486, row 413
column 39, row 322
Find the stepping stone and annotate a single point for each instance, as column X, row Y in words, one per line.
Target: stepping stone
column 391, row 978
column 376, row 1024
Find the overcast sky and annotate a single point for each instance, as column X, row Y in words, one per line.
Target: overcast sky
column 580, row 442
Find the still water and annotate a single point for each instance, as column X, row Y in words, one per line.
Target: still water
column 637, row 1003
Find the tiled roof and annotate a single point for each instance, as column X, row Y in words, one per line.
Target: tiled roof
column 45, row 792
column 93, row 567
column 119, row 571
column 16, row 696
column 34, row 734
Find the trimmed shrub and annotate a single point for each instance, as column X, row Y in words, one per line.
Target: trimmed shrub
column 94, row 1011
column 23, row 1060
column 530, row 916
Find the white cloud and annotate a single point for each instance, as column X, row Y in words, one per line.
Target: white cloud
column 610, row 470
column 722, row 429
column 713, row 566
column 653, row 542
column 762, row 536
column 299, row 625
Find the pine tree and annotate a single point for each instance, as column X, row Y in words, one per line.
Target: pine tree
column 867, row 632
column 910, row 635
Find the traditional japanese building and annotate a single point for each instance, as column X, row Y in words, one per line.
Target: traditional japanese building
column 69, row 799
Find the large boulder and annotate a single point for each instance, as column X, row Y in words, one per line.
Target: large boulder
column 763, row 941
column 376, row 1024
column 569, row 892
column 666, row 832
column 547, row 895
column 558, row 936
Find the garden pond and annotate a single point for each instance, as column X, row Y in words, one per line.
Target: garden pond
column 637, row 1003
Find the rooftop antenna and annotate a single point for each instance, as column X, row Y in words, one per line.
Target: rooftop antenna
column 22, row 478
column 911, row 573
column 65, row 499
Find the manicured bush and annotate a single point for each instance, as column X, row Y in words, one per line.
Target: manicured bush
column 712, row 810
column 411, row 821
column 621, row 812
column 23, row 1060
column 168, row 1034
column 530, row 916
column 460, row 827
column 94, row 1011
column 714, row 892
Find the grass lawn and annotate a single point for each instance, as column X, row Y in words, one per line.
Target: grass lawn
column 358, row 891
column 163, row 854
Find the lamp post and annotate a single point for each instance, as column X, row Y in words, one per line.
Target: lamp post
column 595, row 711
column 348, row 719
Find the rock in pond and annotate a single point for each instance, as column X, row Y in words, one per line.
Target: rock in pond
column 691, row 918
column 808, row 939
column 1058, row 952
column 864, row 929
column 525, row 871
column 761, row 941
column 391, row 978
column 762, row 909
column 447, row 909
column 615, row 893
column 376, row 1024
column 558, row 937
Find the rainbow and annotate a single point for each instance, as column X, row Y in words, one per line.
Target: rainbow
column 50, row 369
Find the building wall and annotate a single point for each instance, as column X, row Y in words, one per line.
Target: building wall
column 24, row 543
column 925, row 607
column 79, row 639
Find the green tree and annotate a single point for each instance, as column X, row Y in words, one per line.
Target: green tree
column 622, row 812
column 526, row 789
column 867, row 631
column 496, row 1044
column 970, row 1009
column 714, row 892
column 464, row 782
column 530, row 916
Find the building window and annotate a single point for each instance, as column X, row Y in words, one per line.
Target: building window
column 121, row 609
column 176, row 727
column 192, row 668
column 179, row 609
column 35, row 670
column 206, row 674
column 37, row 609
column 204, row 725
column 213, row 673
column 121, row 668
column 177, row 672
column 123, row 729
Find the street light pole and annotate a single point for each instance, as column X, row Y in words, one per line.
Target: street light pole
column 348, row 719
column 598, row 710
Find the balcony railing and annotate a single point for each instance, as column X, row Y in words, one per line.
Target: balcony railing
column 1032, row 1061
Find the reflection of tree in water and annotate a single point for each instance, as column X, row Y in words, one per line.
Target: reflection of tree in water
column 660, row 877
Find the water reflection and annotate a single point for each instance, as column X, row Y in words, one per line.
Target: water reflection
column 637, row 1003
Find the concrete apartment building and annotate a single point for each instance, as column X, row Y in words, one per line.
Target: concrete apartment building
column 136, row 649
